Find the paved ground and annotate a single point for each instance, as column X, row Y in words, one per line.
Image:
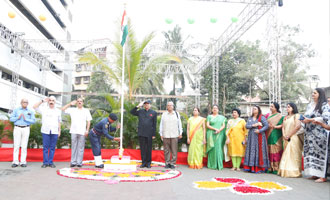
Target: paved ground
column 36, row 183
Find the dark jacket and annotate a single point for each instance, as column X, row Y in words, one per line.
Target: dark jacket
column 147, row 122
column 103, row 128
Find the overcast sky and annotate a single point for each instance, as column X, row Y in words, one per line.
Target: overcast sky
column 99, row 19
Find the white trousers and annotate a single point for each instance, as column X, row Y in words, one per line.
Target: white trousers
column 21, row 139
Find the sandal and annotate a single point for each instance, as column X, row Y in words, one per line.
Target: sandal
column 321, row 180
column 233, row 169
column 313, row 178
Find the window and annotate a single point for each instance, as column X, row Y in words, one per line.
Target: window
column 78, row 68
column 86, row 79
column 78, row 81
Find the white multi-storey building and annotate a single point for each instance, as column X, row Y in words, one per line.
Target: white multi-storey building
column 27, row 27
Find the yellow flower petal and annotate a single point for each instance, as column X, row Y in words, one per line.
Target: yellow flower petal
column 269, row 185
column 212, row 184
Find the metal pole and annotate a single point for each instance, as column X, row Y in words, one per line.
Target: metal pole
column 122, row 100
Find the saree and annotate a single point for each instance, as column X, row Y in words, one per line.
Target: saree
column 256, row 152
column 275, row 142
column 215, row 142
column 196, row 147
column 236, row 131
column 290, row 165
column 316, row 143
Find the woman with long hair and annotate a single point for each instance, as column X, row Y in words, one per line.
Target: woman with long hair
column 196, row 138
column 316, row 138
column 256, row 153
column 216, row 138
column 274, row 137
column 290, row 165
column 236, row 138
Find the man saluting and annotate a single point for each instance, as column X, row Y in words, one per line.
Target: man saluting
column 146, row 130
column 102, row 128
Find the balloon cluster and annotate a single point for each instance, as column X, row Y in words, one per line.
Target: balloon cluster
column 192, row 21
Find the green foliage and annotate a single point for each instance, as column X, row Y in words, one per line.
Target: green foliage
column 294, row 66
column 5, row 130
column 64, row 139
column 35, row 139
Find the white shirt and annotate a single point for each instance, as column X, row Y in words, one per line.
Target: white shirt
column 50, row 119
column 170, row 125
column 79, row 117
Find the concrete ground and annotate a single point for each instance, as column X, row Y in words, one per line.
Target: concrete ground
column 37, row 183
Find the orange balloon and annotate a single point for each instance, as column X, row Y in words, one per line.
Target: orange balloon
column 11, row 15
column 42, row 18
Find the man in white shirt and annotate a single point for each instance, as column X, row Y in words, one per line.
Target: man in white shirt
column 80, row 124
column 50, row 128
column 170, row 131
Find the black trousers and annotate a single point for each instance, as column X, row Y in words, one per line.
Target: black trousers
column 146, row 148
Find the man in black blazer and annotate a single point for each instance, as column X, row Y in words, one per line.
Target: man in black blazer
column 146, row 130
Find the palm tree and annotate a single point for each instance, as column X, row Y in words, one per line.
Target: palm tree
column 139, row 69
column 174, row 44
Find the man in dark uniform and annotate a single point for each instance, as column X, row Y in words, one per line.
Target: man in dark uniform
column 102, row 128
column 146, row 130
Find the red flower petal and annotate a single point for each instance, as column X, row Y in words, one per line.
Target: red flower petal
column 250, row 190
column 230, row 180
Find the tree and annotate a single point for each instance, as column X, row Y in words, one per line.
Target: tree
column 175, row 45
column 239, row 66
column 293, row 56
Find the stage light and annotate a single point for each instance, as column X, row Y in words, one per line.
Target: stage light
column 280, row 3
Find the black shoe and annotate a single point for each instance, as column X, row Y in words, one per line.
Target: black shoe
column 99, row 166
column 23, row 165
column 44, row 166
column 79, row 165
column 52, row 166
column 148, row 166
column 172, row 167
column 167, row 166
column 143, row 166
column 14, row 165
column 72, row 165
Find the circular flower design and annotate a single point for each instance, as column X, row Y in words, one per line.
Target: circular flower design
column 100, row 175
column 241, row 186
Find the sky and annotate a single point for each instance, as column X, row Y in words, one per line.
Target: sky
column 100, row 19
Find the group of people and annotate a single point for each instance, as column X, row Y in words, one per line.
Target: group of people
column 51, row 120
column 268, row 143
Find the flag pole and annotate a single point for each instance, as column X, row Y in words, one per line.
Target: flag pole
column 122, row 100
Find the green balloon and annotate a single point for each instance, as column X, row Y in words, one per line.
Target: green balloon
column 213, row 20
column 191, row 21
column 168, row 21
column 234, row 19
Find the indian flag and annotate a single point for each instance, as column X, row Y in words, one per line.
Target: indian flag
column 124, row 28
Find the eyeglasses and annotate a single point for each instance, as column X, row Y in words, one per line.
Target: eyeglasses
column 25, row 102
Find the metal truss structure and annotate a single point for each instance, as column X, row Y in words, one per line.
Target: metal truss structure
column 274, row 83
column 47, row 56
column 252, row 12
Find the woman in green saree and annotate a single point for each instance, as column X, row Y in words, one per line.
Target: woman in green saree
column 216, row 138
column 274, row 137
column 196, row 137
